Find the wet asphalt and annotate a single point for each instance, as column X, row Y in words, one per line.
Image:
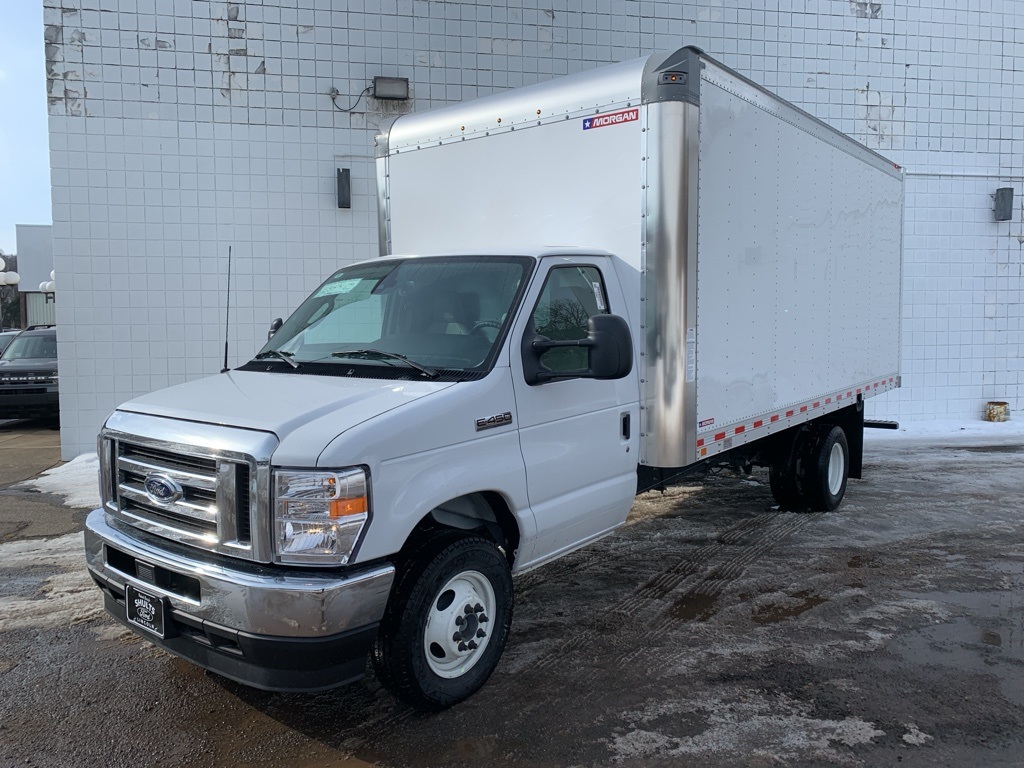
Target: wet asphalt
column 712, row 630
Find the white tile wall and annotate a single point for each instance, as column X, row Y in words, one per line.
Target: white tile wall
column 180, row 127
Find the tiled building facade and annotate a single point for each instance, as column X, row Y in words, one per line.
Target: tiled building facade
column 179, row 128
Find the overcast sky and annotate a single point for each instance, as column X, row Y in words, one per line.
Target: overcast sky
column 24, row 147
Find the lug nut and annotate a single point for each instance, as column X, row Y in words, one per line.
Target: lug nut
column 459, row 621
column 483, row 619
column 477, row 608
column 481, row 633
column 457, row 637
column 469, row 608
column 463, row 647
column 472, row 645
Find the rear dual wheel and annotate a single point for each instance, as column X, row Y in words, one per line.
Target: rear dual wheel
column 811, row 473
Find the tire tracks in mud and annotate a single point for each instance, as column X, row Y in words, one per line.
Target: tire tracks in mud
column 710, row 584
column 706, row 571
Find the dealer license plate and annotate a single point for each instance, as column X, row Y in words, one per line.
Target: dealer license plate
column 145, row 610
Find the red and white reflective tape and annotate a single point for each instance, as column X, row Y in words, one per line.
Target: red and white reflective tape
column 829, row 403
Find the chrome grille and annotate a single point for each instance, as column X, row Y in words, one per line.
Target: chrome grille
column 223, row 474
column 215, row 503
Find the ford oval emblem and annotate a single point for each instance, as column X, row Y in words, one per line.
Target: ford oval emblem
column 162, row 489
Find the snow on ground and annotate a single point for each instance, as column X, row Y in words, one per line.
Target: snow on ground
column 56, row 589
column 65, row 594
column 77, row 481
column 943, row 431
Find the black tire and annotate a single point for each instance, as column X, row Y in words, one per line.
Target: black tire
column 825, row 466
column 782, row 480
column 783, row 475
column 416, row 655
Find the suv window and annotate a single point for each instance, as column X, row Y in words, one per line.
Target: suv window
column 32, row 345
column 6, row 338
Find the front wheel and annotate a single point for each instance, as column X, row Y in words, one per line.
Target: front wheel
column 447, row 622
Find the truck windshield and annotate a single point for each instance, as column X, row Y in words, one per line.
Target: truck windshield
column 413, row 315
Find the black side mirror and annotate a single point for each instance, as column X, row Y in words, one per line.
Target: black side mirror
column 274, row 328
column 609, row 346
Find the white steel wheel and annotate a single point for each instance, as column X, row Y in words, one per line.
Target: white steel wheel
column 836, row 469
column 824, row 468
column 447, row 620
column 457, row 633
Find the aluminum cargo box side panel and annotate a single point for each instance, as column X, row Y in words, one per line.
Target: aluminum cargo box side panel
column 798, row 280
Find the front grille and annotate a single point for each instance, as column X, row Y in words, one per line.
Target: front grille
column 172, row 460
column 208, row 500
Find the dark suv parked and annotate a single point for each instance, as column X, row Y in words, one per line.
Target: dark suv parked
column 28, row 375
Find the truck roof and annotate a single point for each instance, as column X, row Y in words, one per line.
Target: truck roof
column 533, row 253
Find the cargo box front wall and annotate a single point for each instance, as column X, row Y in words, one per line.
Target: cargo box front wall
column 549, row 185
column 798, row 272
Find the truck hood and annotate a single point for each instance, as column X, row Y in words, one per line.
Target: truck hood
column 320, row 407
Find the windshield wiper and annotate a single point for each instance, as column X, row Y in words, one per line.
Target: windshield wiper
column 286, row 356
column 388, row 355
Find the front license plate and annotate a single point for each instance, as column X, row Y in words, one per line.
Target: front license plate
column 145, row 610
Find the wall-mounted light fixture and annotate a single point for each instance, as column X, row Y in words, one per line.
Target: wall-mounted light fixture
column 344, row 188
column 393, row 88
column 1003, row 208
column 384, row 88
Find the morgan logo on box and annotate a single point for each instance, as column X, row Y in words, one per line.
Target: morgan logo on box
column 612, row 118
column 706, row 423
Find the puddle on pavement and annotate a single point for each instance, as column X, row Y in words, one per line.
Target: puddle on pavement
column 772, row 614
column 25, row 582
column 695, row 606
column 990, row 641
column 986, row 448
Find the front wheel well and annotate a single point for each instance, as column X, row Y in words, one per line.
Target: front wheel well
column 485, row 513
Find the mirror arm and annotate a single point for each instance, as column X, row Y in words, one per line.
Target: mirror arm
column 552, row 375
column 540, row 346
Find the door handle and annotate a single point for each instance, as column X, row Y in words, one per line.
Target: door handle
column 624, row 426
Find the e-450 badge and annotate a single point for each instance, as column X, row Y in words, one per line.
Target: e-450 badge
column 494, row 421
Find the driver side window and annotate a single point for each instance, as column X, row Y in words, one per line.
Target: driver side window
column 570, row 296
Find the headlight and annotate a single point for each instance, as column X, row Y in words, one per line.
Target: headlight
column 318, row 516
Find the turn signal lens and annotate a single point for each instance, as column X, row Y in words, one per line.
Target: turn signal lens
column 347, row 507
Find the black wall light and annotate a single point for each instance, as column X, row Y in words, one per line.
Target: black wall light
column 1003, row 208
column 344, row 188
column 393, row 88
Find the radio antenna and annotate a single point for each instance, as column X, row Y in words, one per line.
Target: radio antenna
column 227, row 315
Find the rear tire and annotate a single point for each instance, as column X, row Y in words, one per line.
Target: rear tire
column 446, row 623
column 825, row 467
column 783, row 475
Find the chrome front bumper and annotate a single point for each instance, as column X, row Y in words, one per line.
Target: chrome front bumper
column 267, row 627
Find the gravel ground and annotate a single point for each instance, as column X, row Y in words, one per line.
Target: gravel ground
column 712, row 630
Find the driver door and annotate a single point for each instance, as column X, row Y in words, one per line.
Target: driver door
column 578, row 436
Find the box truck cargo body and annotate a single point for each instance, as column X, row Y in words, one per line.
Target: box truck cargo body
column 758, row 249
column 588, row 287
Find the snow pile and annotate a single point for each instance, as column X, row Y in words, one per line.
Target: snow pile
column 77, row 481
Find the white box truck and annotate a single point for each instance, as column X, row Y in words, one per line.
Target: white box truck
column 588, row 287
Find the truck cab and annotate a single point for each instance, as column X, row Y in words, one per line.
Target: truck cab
column 275, row 523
